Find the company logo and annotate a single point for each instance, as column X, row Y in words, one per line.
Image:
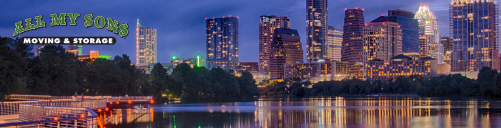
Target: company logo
column 60, row 20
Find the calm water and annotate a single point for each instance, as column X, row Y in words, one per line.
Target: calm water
column 339, row 112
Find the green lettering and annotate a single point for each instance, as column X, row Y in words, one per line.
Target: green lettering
column 19, row 28
column 40, row 23
column 102, row 24
column 73, row 18
column 112, row 25
column 29, row 25
column 58, row 21
column 123, row 30
column 88, row 20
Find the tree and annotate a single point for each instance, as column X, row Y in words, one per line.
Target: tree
column 248, row 87
column 485, row 79
column 159, row 80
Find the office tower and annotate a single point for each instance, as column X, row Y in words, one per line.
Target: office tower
column 222, row 43
column 352, row 41
column 382, row 40
column 316, row 29
column 429, row 39
column 447, row 44
column 474, row 29
column 400, row 65
column 286, row 48
column 410, row 29
column 334, row 44
column 146, row 44
column 267, row 26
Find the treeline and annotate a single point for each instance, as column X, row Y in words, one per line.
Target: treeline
column 59, row 73
column 488, row 84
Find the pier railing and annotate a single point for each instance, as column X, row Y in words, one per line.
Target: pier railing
column 54, row 117
column 37, row 97
column 59, row 111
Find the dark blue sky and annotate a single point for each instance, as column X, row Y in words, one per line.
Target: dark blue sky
column 181, row 23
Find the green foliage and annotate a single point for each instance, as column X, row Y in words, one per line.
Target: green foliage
column 57, row 72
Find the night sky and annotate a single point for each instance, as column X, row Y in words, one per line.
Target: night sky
column 181, row 26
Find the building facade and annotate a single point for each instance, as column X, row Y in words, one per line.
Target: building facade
column 316, row 29
column 447, row 44
column 267, row 26
column 382, row 40
column 334, row 44
column 475, row 30
column 248, row 67
column 193, row 62
column 410, row 29
column 429, row 39
column 222, row 43
column 286, row 48
column 353, row 43
column 146, row 44
column 317, row 69
column 400, row 65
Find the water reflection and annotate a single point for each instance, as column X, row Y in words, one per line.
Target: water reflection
column 321, row 112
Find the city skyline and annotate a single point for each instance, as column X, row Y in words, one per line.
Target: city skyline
column 171, row 31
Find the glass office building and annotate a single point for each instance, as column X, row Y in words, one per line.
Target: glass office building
column 222, row 43
column 474, row 29
column 410, row 29
column 429, row 39
column 316, row 29
column 267, row 25
column 146, row 44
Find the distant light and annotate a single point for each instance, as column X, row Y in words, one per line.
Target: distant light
column 230, row 16
column 382, row 14
column 345, row 9
column 356, row 8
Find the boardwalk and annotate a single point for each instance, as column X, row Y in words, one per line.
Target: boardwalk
column 59, row 111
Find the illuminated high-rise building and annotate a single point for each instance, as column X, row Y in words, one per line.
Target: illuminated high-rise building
column 222, row 43
column 429, row 37
column 286, row 48
column 447, row 43
column 382, row 40
column 316, row 29
column 353, row 42
column 267, row 26
column 410, row 30
column 475, row 31
column 334, row 44
column 146, row 44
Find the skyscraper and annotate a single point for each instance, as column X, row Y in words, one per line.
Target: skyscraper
column 334, row 44
column 474, row 29
column 410, row 29
column 429, row 39
column 286, row 48
column 222, row 43
column 382, row 40
column 353, row 42
column 146, row 44
column 267, row 26
column 316, row 29
column 448, row 47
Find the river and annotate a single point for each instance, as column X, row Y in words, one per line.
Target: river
column 339, row 112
